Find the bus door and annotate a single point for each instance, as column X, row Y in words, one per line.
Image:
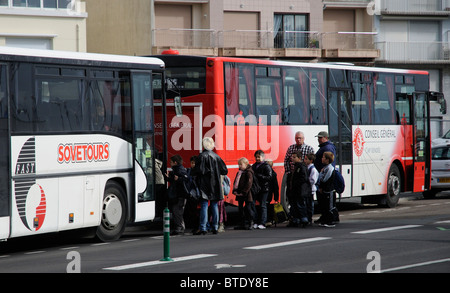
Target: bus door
column 143, row 136
column 421, row 143
column 340, row 131
column 4, row 158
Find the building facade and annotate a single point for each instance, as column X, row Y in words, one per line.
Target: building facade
column 414, row 34
column 43, row 24
column 283, row 29
column 410, row 34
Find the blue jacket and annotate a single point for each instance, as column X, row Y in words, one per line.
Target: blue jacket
column 327, row 146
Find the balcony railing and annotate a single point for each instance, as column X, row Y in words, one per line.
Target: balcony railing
column 414, row 52
column 348, row 40
column 261, row 39
column 414, row 6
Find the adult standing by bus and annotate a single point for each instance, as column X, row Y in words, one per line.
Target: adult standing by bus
column 325, row 145
column 299, row 146
column 208, row 168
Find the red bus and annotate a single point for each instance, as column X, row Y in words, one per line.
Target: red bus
column 377, row 118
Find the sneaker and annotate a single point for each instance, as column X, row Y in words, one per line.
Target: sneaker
column 221, row 228
column 261, row 227
column 255, row 226
column 328, row 225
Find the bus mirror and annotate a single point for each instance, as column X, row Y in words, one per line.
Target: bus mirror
column 178, row 108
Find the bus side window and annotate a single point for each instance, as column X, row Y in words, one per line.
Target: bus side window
column 318, row 94
column 59, row 104
column 268, row 100
column 106, row 105
column 385, row 100
column 239, row 91
column 23, row 102
column 297, row 103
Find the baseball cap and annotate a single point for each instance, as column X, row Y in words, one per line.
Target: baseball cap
column 322, row 134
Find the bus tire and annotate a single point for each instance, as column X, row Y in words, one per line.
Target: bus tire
column 394, row 185
column 114, row 213
column 284, row 200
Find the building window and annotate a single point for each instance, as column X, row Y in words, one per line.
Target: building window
column 55, row 4
column 291, row 31
column 27, row 3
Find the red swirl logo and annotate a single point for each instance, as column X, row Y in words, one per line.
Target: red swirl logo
column 358, row 142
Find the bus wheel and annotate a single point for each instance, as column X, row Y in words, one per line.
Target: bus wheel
column 393, row 187
column 283, row 195
column 113, row 213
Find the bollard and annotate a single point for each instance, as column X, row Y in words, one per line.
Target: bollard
column 166, row 231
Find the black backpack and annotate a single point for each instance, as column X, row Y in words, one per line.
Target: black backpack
column 190, row 187
column 255, row 189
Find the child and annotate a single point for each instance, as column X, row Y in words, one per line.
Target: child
column 274, row 191
column 242, row 190
column 313, row 177
column 325, row 191
column 177, row 196
column 263, row 172
column 191, row 210
column 300, row 189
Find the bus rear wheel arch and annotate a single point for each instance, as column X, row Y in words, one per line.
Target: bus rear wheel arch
column 114, row 213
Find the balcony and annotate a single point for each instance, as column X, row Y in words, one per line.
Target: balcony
column 437, row 8
column 349, row 45
column 414, row 52
column 265, row 44
column 346, row 3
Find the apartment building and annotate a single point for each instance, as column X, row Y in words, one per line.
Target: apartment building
column 43, row 24
column 386, row 33
column 282, row 29
column 414, row 34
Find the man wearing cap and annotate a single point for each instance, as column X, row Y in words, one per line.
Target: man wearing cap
column 324, row 146
column 323, row 200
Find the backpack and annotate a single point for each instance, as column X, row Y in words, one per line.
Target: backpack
column 190, row 188
column 255, row 189
column 339, row 183
column 226, row 184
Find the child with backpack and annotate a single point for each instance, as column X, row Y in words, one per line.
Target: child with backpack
column 242, row 190
column 325, row 191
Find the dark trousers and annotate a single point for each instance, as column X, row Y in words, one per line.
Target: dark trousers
column 247, row 212
column 326, row 205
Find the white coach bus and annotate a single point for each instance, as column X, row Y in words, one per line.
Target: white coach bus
column 76, row 141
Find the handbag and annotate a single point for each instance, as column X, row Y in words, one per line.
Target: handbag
column 279, row 214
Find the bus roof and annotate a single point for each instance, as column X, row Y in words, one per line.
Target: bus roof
column 173, row 60
column 78, row 56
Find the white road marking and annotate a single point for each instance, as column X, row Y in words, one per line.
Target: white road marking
column 34, row 252
column 443, row 222
column 415, row 265
column 386, row 229
column 158, row 262
column 286, row 243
